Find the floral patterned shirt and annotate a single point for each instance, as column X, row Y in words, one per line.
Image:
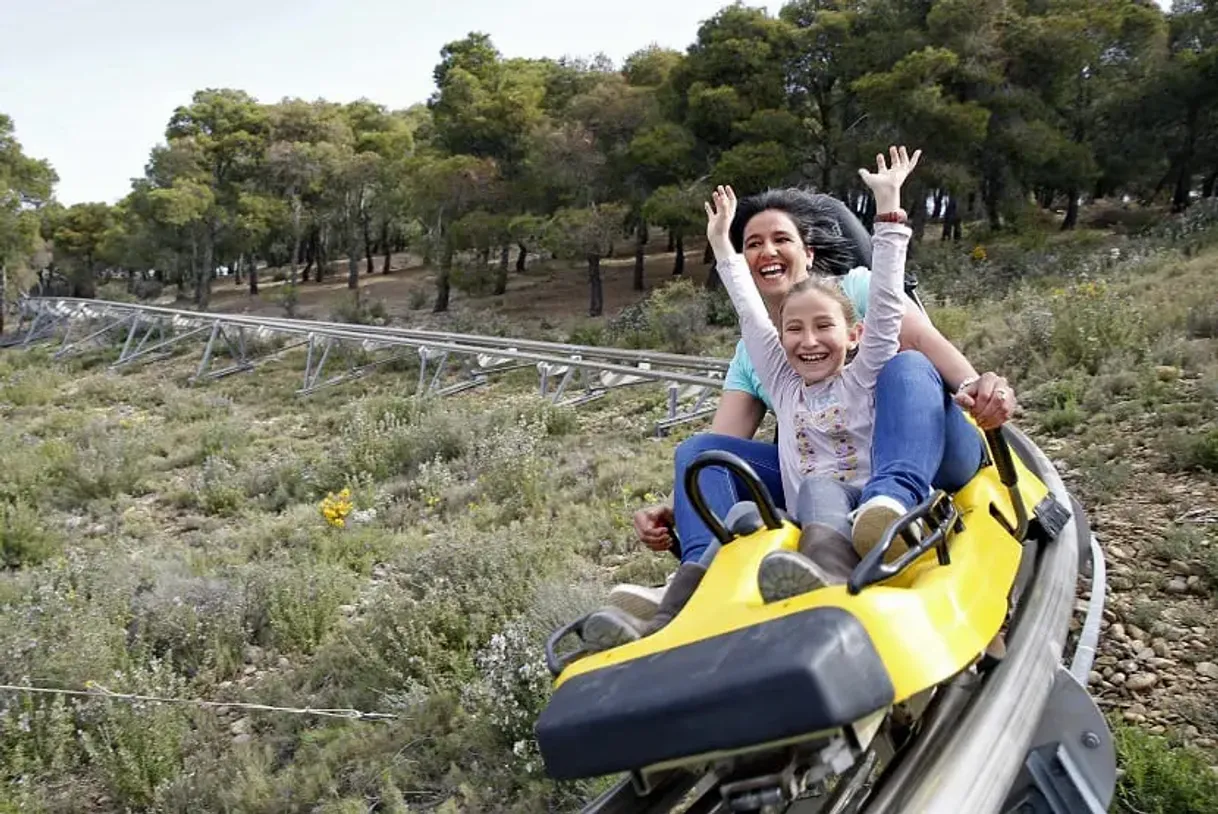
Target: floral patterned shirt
column 825, row 428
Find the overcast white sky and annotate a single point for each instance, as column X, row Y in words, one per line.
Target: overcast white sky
column 90, row 84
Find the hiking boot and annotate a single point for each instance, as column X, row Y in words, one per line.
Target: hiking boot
column 612, row 627
column 872, row 520
column 824, row 558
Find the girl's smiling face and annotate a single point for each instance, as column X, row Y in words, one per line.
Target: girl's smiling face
column 817, row 332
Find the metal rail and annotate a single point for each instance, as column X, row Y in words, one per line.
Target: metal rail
column 976, row 762
column 674, row 360
column 368, row 339
column 688, row 377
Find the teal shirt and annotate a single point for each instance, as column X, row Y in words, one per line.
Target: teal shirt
column 740, row 373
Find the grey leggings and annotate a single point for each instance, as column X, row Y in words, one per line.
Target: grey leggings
column 823, row 510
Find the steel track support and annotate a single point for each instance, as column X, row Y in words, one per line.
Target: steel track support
column 426, row 354
column 155, row 351
column 127, row 353
column 42, row 326
column 1071, row 765
column 236, row 349
column 70, row 347
column 698, row 410
column 312, row 374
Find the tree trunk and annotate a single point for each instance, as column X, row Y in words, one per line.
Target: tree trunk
column 253, row 275
column 672, row 242
column 938, row 205
column 353, row 253
column 386, row 246
column 640, row 254
column 295, row 239
column 951, row 220
column 236, row 269
column 708, row 255
column 203, row 290
column 442, row 280
column 323, row 261
column 991, row 194
column 1184, row 178
column 1184, row 185
column 917, row 213
column 678, row 263
column 713, row 283
column 597, row 305
column 3, row 294
column 368, row 245
column 1207, row 186
column 1071, row 218
column 505, row 255
column 310, row 250
column 520, row 257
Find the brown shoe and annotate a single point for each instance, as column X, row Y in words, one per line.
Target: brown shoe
column 824, row 558
column 612, row 627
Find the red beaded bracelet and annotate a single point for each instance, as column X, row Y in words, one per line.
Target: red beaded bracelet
column 895, row 216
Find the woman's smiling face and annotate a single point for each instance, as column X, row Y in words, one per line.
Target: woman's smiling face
column 776, row 254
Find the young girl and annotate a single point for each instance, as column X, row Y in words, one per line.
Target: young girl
column 823, row 402
column 824, row 407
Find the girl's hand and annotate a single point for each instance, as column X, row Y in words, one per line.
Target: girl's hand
column 886, row 182
column 719, row 219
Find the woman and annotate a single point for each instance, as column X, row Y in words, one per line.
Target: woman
column 920, row 397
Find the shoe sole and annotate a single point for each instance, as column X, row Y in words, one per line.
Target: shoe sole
column 870, row 527
column 641, row 603
column 784, row 574
column 607, row 629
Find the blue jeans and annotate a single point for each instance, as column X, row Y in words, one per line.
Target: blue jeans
column 922, row 440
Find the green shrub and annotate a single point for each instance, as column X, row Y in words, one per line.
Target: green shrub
column 1161, row 777
column 25, row 538
column 1190, row 450
column 293, row 610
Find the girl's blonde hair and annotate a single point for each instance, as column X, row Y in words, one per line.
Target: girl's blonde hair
column 821, row 286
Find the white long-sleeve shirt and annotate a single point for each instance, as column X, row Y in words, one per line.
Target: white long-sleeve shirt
column 825, row 428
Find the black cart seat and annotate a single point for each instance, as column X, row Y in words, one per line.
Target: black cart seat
column 807, row 672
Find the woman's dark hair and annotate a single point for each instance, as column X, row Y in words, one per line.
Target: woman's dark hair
column 815, row 219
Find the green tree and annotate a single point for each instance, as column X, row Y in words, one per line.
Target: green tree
column 679, row 210
column 25, row 187
column 226, row 130
column 587, row 233
column 442, row 190
column 484, row 106
column 79, row 232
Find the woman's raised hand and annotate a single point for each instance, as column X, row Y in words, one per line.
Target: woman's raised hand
column 886, row 181
column 988, row 398
column 719, row 219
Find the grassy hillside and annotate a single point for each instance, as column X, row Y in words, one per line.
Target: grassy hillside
column 178, row 541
